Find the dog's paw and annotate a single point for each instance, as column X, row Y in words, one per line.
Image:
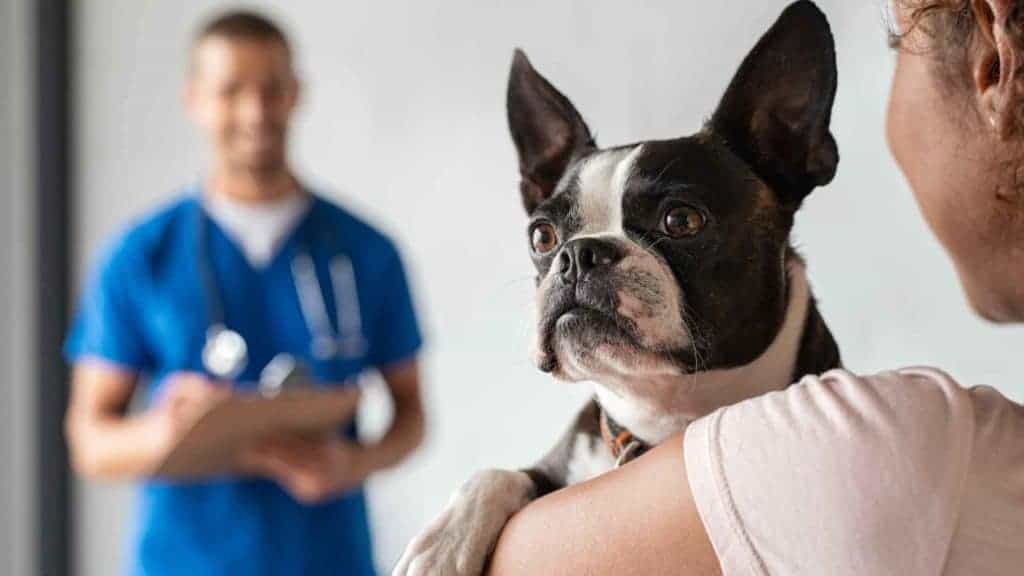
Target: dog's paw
column 459, row 541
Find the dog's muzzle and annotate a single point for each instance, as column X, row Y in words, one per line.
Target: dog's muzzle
column 582, row 284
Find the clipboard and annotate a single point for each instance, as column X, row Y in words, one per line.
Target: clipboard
column 208, row 449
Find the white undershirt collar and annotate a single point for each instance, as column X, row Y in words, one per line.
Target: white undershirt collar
column 258, row 228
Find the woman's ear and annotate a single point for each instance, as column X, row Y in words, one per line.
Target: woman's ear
column 994, row 68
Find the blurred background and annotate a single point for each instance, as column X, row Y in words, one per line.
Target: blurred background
column 402, row 120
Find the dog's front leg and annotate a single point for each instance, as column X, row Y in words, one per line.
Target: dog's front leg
column 460, row 540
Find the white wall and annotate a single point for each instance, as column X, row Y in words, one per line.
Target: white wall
column 403, row 119
column 17, row 335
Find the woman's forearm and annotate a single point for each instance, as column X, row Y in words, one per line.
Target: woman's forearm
column 638, row 519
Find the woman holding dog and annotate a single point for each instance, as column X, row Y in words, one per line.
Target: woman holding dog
column 905, row 472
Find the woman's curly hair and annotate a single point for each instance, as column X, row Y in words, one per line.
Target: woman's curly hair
column 951, row 21
column 950, row 26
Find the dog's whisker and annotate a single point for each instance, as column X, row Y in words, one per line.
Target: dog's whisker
column 698, row 340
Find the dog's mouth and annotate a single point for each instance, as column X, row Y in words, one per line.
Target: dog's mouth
column 584, row 318
column 585, row 325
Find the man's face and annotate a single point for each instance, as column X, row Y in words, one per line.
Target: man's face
column 242, row 92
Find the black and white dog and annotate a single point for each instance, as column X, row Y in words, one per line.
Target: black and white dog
column 665, row 272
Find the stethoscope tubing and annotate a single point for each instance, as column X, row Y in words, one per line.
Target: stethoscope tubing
column 326, row 342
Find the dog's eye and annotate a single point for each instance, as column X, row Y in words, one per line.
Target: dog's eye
column 683, row 221
column 544, row 238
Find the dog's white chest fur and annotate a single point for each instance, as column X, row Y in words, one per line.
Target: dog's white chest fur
column 590, row 458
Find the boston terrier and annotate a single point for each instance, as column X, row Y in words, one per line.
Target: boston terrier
column 665, row 273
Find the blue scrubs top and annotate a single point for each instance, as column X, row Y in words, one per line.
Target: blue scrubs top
column 145, row 308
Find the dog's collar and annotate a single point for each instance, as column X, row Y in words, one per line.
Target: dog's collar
column 623, row 445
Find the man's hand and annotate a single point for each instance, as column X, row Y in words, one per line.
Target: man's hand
column 106, row 442
column 311, row 469
column 185, row 398
column 314, row 469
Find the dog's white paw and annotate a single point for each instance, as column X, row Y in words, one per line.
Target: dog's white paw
column 459, row 541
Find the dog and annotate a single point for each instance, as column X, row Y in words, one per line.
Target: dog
column 665, row 272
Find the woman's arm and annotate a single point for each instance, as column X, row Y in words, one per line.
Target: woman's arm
column 638, row 519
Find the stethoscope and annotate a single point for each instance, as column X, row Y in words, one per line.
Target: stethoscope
column 225, row 352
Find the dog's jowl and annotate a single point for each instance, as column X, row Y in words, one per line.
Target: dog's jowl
column 665, row 274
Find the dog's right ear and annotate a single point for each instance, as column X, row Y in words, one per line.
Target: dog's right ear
column 547, row 130
column 776, row 112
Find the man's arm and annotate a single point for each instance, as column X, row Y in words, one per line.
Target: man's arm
column 407, row 430
column 638, row 519
column 104, row 441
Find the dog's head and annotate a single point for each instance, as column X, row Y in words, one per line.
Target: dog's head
column 668, row 257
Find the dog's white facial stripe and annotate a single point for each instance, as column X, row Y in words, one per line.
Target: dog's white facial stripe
column 602, row 181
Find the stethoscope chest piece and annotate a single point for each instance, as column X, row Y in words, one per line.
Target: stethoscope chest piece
column 225, row 353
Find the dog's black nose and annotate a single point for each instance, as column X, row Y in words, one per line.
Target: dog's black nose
column 583, row 255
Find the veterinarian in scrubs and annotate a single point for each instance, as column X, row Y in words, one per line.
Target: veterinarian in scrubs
column 195, row 300
column 904, row 472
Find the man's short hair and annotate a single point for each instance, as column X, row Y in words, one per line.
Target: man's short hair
column 242, row 25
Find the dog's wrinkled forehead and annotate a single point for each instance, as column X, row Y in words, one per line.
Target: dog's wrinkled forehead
column 593, row 192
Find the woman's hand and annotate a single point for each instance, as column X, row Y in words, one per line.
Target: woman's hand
column 311, row 469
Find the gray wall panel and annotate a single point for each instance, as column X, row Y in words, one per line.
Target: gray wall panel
column 17, row 305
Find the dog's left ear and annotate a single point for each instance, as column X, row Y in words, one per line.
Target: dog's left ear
column 776, row 112
column 548, row 131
